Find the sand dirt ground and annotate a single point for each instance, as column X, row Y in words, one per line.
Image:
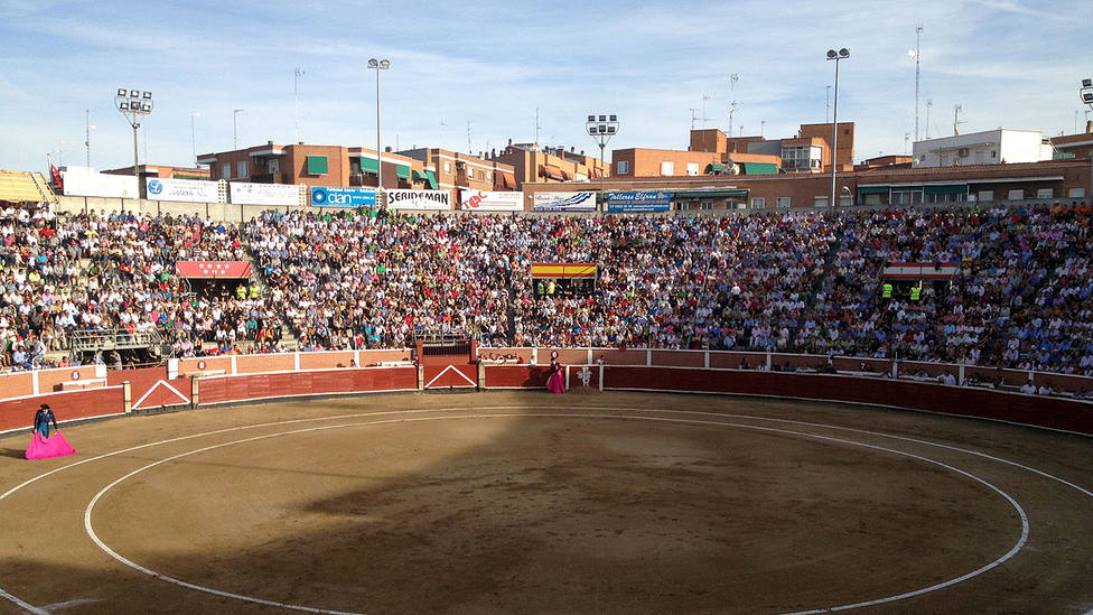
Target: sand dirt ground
column 528, row 503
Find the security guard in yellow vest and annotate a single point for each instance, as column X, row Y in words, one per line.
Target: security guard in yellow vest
column 916, row 292
column 254, row 292
column 886, row 290
column 241, row 292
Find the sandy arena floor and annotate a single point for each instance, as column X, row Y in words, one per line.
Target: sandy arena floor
column 527, row 503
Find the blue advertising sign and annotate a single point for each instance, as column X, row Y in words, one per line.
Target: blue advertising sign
column 638, row 202
column 322, row 196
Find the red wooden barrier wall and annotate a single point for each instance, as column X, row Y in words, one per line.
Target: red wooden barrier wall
column 19, row 413
column 265, row 386
column 1053, row 412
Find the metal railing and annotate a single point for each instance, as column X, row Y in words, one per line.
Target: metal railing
column 112, row 339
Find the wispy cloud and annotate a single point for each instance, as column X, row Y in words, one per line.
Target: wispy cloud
column 493, row 63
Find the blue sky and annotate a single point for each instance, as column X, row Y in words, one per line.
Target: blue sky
column 1013, row 63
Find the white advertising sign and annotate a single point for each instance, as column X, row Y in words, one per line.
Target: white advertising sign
column 477, row 200
column 85, row 181
column 189, row 190
column 435, row 200
column 243, row 193
column 564, row 201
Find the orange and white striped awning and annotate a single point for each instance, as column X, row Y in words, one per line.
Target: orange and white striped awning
column 563, row 270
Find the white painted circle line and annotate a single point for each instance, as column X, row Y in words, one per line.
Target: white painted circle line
column 88, row 526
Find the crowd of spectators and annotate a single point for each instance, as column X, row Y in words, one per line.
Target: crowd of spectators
column 787, row 281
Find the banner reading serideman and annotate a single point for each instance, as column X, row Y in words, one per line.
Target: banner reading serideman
column 432, row 200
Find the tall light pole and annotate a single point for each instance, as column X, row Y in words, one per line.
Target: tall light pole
column 134, row 104
column 193, row 133
column 837, row 56
column 296, row 74
column 917, row 55
column 601, row 128
column 1087, row 98
column 378, row 64
column 88, row 127
column 235, row 127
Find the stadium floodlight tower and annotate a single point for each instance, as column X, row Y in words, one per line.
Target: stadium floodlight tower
column 378, row 64
column 1087, row 98
column 601, row 128
column 837, row 56
column 134, row 104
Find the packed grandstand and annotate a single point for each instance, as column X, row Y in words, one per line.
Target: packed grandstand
column 787, row 281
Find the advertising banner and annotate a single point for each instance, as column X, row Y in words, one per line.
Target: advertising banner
column 213, row 269
column 85, row 181
column 355, row 198
column 477, row 200
column 564, row 201
column 436, row 200
column 638, row 202
column 243, row 193
column 189, row 190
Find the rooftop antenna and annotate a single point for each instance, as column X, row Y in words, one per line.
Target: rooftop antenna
column 538, row 127
column 762, row 128
column 469, row 137
column 929, row 105
column 916, row 53
column 733, row 78
column 732, row 114
column 705, row 99
column 956, row 119
column 694, row 118
column 298, row 72
column 827, row 113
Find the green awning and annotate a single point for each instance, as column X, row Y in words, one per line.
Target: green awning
column 873, row 190
column 317, row 165
column 402, row 171
column 953, row 189
column 711, row 194
column 426, row 176
column 369, row 165
column 714, row 167
column 760, row 168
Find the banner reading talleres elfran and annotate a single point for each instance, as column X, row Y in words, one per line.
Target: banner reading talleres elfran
column 564, row 201
column 324, row 196
column 638, row 202
column 478, row 200
column 432, row 200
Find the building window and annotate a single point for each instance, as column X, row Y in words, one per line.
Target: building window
column 758, row 202
column 994, row 154
column 986, row 196
column 784, row 202
column 226, row 170
column 1016, row 195
column 1076, row 193
column 274, row 166
column 872, row 199
column 846, row 201
column 819, row 201
column 470, row 173
column 447, row 167
column 692, row 169
column 241, row 169
column 1044, row 193
column 622, row 167
column 317, row 165
column 667, row 168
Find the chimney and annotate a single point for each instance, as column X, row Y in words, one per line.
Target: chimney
column 269, row 142
column 1089, row 127
column 387, row 149
column 510, row 141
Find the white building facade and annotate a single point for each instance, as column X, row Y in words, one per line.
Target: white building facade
column 988, row 147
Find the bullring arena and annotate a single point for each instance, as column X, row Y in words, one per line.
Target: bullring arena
column 302, row 483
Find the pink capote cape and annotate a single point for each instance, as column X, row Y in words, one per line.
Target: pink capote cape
column 556, row 383
column 53, row 446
